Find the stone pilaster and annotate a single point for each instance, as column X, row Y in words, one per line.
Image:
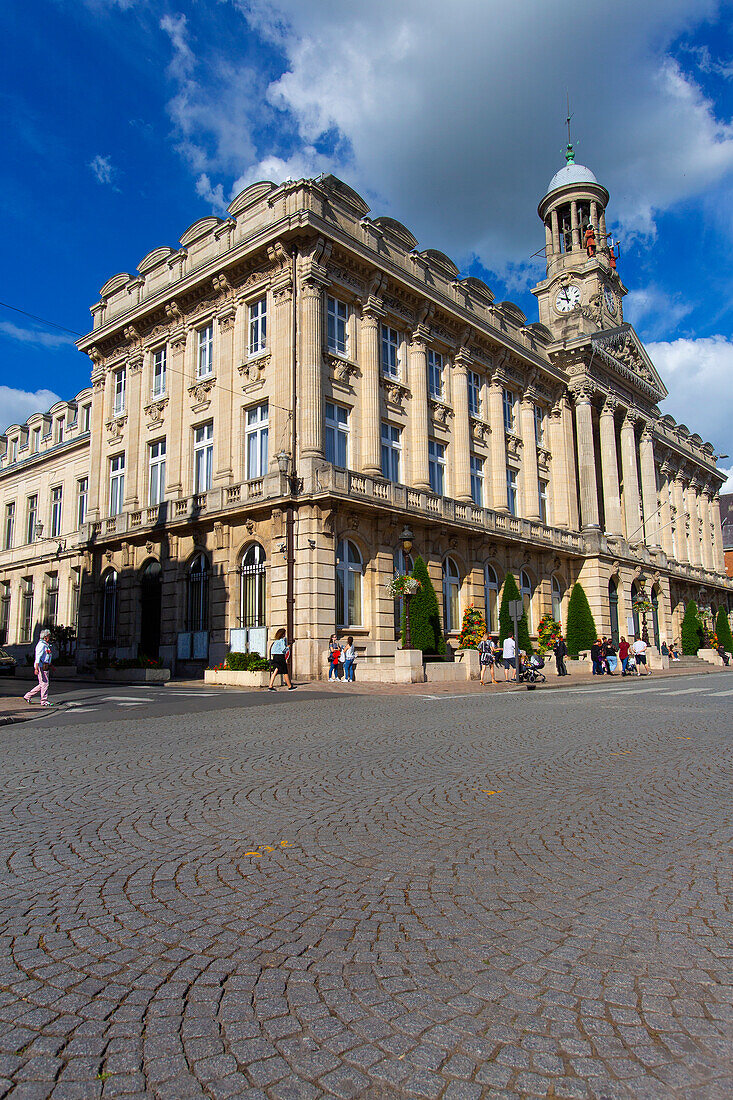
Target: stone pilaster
column 134, row 475
column 586, row 456
column 609, row 468
column 678, row 493
column 630, row 471
column 559, row 486
column 97, row 457
column 665, row 515
column 461, row 427
column 530, row 470
column 417, row 425
column 694, row 523
column 572, row 478
column 718, row 534
column 310, row 396
column 371, row 318
column 649, row 489
column 707, row 546
column 223, row 395
column 497, row 472
column 177, row 381
column 279, row 368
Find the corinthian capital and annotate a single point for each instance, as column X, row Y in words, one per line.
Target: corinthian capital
column 582, row 393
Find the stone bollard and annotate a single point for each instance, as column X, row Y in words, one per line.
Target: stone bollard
column 469, row 658
column 408, row 666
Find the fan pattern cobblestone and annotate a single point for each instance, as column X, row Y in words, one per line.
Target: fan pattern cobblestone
column 370, row 898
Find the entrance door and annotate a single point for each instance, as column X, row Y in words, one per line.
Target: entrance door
column 150, row 586
column 613, row 607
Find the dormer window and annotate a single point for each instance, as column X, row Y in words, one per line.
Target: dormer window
column 60, row 426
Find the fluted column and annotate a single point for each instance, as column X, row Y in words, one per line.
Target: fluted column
column 418, row 422
column 280, row 343
column 370, row 420
column 706, row 535
column 574, row 225
column 310, row 398
column 649, row 489
column 609, row 468
column 530, row 470
column 718, row 534
column 134, row 477
column 97, row 450
column 694, row 523
column 630, row 471
column 497, row 444
column 566, row 413
column 178, row 446
column 586, row 456
column 555, row 233
column 678, row 493
column 461, row 427
column 223, row 443
column 559, row 487
column 665, row 514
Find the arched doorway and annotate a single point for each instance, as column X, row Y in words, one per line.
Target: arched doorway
column 253, row 598
column 451, row 596
column 150, row 600
column 613, row 608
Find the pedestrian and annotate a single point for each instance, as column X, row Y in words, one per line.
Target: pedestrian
column 279, row 653
column 486, row 658
column 723, row 655
column 334, row 652
column 41, row 666
column 596, row 656
column 623, row 653
column 509, row 653
column 611, row 658
column 560, row 650
column 664, row 649
column 639, row 648
column 348, row 656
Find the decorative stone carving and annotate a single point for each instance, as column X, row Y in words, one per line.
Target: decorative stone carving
column 250, row 526
column 253, row 370
column 342, row 369
column 149, row 546
column 116, row 426
column 513, row 445
column 480, row 431
column 395, row 393
column 200, row 394
column 440, row 412
column 155, row 412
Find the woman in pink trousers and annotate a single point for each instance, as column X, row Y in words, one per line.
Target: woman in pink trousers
column 41, row 665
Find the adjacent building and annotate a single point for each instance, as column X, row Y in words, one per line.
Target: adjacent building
column 274, row 401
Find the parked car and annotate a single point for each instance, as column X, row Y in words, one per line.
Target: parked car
column 7, row 664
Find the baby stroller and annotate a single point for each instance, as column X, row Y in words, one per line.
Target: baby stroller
column 531, row 671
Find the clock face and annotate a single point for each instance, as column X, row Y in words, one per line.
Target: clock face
column 568, row 298
column 609, row 299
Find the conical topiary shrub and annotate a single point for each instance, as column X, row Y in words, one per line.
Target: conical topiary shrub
column 692, row 636
column 506, row 623
column 581, row 630
column 425, row 631
column 473, row 628
column 722, row 629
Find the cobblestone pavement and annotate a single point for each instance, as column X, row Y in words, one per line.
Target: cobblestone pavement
column 522, row 895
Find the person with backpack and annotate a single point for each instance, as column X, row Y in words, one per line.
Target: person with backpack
column 334, row 654
column 41, row 665
column 486, row 658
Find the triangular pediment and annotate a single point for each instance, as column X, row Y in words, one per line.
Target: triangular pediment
column 622, row 350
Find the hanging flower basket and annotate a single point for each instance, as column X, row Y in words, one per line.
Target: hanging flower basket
column 400, row 587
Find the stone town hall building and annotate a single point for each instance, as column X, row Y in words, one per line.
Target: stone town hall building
column 275, row 400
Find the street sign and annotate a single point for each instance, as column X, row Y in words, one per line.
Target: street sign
column 516, row 609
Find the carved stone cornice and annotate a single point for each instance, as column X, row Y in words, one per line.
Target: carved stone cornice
column 373, row 311
column 421, row 334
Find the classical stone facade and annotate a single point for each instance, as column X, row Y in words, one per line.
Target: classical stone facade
column 275, row 400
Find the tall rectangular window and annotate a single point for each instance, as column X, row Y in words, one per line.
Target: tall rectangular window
column 52, row 599
column 474, row 394
column 31, row 518
column 337, row 434
column 4, row 612
column 436, row 466
column 509, row 400
column 86, row 418
column 257, row 440
column 36, row 445
column 60, row 428
column 477, row 480
column 258, row 326
column 511, row 490
column 205, row 359
column 543, row 501
column 56, row 506
column 539, row 425
column 116, row 484
column 203, row 457
column 435, row 374
column 391, row 450
column 26, row 609
column 390, row 352
column 13, row 453
column 338, row 325
column 160, row 362
column 120, row 380
column 9, row 526
column 156, row 473
column 82, row 496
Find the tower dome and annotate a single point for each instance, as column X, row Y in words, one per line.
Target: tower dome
column 571, row 173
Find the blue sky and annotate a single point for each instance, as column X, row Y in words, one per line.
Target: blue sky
column 126, row 120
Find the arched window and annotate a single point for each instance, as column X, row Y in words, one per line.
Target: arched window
column 491, row 589
column 349, row 569
column 526, row 591
column 403, row 565
column 557, row 593
column 109, row 606
column 613, row 609
column 252, row 608
column 197, row 604
column 451, row 593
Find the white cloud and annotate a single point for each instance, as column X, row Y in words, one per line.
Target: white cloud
column 35, row 336
column 103, row 170
column 728, row 486
column 698, row 375
column 654, row 311
column 17, row 405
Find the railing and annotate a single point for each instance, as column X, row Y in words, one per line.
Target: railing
column 255, row 488
column 233, row 494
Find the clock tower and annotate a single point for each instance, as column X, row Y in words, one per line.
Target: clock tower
column 582, row 291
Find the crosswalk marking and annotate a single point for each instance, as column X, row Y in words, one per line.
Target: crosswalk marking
column 720, row 694
column 687, row 691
